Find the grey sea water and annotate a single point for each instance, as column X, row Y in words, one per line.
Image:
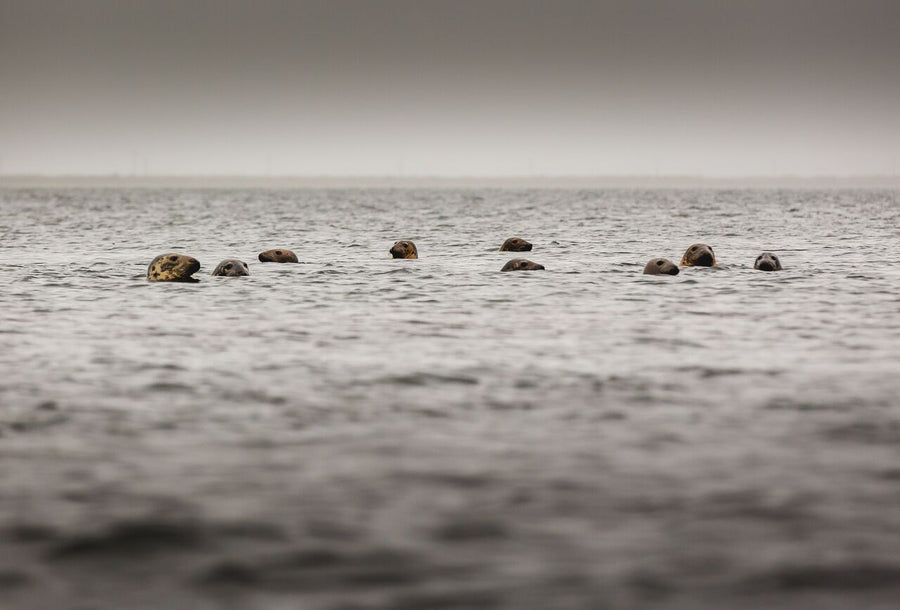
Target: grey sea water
column 361, row 432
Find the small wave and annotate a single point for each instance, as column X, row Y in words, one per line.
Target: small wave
column 464, row 529
column 168, row 386
column 13, row 579
column 128, row 538
column 324, row 569
column 866, row 432
column 846, row 576
column 706, row 371
column 426, row 379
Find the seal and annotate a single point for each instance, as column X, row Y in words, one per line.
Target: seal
column 521, row 264
column 231, row 267
column 699, row 255
column 173, row 267
column 404, row 249
column 661, row 266
column 278, row 256
column 515, row 244
column 767, row 262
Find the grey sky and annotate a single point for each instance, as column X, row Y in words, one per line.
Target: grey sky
column 450, row 88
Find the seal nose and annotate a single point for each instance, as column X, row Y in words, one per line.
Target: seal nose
column 673, row 270
column 194, row 266
column 705, row 259
column 396, row 251
column 766, row 266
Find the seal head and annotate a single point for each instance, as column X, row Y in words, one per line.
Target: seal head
column 404, row 249
column 661, row 266
column 515, row 244
column 699, row 255
column 231, row 267
column 173, row 267
column 521, row 264
column 767, row 262
column 278, row 256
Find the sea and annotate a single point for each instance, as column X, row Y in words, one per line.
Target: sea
column 358, row 432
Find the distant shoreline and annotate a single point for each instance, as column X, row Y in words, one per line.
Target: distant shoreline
column 555, row 182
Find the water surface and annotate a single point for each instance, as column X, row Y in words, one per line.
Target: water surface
column 361, row 432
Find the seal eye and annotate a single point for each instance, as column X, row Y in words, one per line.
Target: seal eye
column 173, row 258
column 228, row 267
column 659, row 263
column 693, row 248
column 278, row 252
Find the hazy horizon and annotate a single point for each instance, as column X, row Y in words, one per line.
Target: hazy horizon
column 409, row 89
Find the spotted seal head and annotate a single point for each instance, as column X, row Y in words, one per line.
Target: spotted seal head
column 661, row 266
column 515, row 244
column 278, row 256
column 404, row 249
column 521, row 264
column 173, row 267
column 231, row 267
column 767, row 262
column 699, row 255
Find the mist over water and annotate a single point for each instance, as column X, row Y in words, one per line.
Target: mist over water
column 357, row 431
column 411, row 87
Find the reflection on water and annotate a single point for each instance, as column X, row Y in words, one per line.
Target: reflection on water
column 356, row 431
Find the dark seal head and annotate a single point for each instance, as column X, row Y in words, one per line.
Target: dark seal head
column 173, row 267
column 699, row 255
column 767, row 262
column 521, row 264
column 515, row 244
column 661, row 266
column 278, row 256
column 231, row 267
column 404, row 249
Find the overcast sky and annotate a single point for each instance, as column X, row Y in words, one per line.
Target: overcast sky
column 422, row 87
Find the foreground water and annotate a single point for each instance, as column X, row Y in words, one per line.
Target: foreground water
column 361, row 432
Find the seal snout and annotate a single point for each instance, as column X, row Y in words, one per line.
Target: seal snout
column 173, row 267
column 232, row 267
column 767, row 262
column 278, row 256
column 404, row 249
column 699, row 255
column 516, row 244
column 661, row 266
column 521, row 264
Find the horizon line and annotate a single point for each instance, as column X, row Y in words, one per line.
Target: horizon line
column 336, row 180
